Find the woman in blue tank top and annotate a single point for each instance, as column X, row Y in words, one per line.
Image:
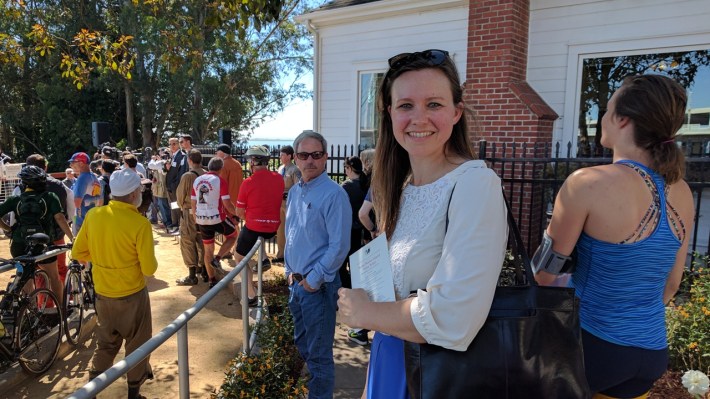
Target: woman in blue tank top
column 629, row 221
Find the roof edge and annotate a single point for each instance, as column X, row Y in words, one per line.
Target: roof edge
column 374, row 10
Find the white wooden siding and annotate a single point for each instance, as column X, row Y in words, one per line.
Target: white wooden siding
column 350, row 48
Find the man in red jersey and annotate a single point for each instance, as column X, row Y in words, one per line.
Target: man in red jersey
column 259, row 205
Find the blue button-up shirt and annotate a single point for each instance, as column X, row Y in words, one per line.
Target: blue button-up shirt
column 318, row 221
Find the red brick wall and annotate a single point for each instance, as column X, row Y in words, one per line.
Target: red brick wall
column 507, row 109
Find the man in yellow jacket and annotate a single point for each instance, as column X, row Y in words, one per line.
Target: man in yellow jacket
column 119, row 243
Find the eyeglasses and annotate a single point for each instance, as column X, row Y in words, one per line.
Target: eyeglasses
column 315, row 155
column 432, row 57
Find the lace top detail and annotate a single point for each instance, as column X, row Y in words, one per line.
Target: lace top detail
column 418, row 204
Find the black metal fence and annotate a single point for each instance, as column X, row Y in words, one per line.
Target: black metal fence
column 532, row 175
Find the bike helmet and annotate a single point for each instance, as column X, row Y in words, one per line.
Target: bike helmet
column 31, row 175
column 260, row 154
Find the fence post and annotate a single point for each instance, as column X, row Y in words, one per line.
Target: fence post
column 245, row 310
column 183, row 363
column 481, row 149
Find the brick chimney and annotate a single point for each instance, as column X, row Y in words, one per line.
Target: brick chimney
column 508, row 110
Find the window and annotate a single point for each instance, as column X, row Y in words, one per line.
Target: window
column 369, row 119
column 602, row 76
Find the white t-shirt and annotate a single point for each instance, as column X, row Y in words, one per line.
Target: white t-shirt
column 208, row 191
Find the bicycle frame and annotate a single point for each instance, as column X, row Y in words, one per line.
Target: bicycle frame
column 15, row 301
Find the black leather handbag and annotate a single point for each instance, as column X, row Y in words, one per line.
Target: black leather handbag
column 529, row 347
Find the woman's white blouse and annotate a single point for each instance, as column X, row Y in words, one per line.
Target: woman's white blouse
column 459, row 265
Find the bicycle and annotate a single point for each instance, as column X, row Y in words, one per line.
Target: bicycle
column 32, row 327
column 78, row 297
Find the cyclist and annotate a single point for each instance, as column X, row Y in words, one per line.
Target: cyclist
column 37, row 211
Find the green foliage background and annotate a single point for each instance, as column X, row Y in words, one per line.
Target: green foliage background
column 194, row 67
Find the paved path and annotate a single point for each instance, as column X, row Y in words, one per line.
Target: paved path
column 215, row 335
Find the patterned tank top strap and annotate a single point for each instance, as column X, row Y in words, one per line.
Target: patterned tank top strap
column 660, row 205
column 656, row 210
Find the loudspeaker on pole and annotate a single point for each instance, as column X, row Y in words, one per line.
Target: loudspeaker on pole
column 225, row 137
column 99, row 133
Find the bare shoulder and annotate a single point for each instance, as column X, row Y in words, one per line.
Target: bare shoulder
column 587, row 181
column 681, row 198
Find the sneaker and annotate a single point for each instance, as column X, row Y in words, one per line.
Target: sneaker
column 253, row 301
column 358, row 336
column 216, row 264
column 265, row 265
column 189, row 280
column 213, row 282
column 173, row 229
column 278, row 260
column 203, row 273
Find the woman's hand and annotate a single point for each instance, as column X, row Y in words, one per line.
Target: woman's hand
column 351, row 306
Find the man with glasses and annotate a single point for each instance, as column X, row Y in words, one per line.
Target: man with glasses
column 87, row 189
column 318, row 221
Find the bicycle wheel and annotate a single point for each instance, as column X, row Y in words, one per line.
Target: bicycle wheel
column 39, row 332
column 73, row 307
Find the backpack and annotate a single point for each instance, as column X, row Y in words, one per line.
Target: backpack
column 146, row 199
column 29, row 212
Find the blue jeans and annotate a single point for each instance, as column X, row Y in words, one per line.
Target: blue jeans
column 314, row 331
column 164, row 208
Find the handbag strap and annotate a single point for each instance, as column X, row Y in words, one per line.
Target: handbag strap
column 513, row 226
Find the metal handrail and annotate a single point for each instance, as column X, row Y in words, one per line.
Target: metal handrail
column 179, row 326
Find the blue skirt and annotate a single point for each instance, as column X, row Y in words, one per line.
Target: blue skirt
column 386, row 378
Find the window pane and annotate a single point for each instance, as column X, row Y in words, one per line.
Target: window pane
column 602, row 76
column 368, row 118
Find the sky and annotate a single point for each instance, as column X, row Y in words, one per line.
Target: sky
column 294, row 119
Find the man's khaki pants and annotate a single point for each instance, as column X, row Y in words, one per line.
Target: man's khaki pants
column 127, row 318
column 193, row 252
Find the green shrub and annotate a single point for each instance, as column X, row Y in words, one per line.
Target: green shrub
column 275, row 371
column 688, row 321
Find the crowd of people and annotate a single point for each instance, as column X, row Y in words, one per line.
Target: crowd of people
column 441, row 210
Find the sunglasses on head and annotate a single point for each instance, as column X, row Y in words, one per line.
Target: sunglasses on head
column 315, row 155
column 432, row 57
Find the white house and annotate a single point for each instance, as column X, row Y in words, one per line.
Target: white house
column 522, row 60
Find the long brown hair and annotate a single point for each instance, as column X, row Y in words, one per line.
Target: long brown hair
column 656, row 104
column 392, row 167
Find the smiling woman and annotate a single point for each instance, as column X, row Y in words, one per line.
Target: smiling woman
column 439, row 208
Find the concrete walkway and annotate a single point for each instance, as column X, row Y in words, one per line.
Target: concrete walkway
column 214, row 337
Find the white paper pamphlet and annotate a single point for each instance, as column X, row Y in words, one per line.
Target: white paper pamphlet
column 370, row 269
column 174, row 205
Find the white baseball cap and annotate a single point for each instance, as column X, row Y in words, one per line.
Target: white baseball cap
column 124, row 182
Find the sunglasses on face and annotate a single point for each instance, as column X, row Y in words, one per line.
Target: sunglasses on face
column 432, row 57
column 315, row 155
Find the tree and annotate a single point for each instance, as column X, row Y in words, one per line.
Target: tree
column 602, row 76
column 175, row 67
